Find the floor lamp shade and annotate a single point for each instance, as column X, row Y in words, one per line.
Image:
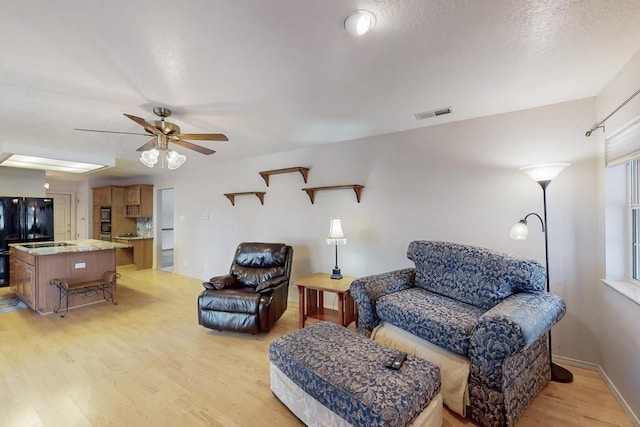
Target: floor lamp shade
column 544, row 172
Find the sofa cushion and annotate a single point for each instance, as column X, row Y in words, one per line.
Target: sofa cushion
column 474, row 275
column 440, row 320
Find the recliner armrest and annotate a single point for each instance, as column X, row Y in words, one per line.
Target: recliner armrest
column 511, row 326
column 271, row 283
column 366, row 290
column 222, row 282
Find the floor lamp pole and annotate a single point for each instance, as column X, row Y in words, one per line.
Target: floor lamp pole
column 558, row 373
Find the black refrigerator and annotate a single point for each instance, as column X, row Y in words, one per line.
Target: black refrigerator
column 23, row 219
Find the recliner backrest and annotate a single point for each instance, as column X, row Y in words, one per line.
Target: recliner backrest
column 256, row 262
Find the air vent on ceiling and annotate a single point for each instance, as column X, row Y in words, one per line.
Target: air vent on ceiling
column 433, row 113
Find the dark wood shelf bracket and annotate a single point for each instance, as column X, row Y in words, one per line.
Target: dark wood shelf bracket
column 232, row 196
column 311, row 192
column 303, row 171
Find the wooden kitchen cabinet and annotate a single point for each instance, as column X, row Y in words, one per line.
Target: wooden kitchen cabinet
column 139, row 253
column 23, row 280
column 102, row 196
column 139, row 201
column 96, row 222
column 132, row 195
column 119, row 224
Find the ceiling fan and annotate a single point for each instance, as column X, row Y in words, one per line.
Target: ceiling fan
column 165, row 132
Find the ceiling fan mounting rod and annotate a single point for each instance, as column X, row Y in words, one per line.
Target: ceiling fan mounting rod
column 161, row 112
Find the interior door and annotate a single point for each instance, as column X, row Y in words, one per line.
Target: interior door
column 165, row 241
column 61, row 216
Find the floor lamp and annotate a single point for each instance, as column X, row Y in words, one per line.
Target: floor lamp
column 543, row 175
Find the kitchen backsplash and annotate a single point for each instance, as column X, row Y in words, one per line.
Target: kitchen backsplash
column 144, row 227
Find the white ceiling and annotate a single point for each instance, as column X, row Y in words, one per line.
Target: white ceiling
column 279, row 74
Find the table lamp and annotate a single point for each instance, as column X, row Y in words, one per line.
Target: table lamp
column 336, row 237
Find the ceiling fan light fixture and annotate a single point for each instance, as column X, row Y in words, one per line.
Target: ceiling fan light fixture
column 150, row 157
column 175, row 159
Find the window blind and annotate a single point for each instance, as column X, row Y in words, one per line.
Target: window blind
column 624, row 144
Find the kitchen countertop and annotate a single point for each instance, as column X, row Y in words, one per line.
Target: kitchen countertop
column 72, row 246
column 125, row 237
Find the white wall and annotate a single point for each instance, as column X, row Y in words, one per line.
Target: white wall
column 79, row 203
column 618, row 333
column 21, row 182
column 458, row 182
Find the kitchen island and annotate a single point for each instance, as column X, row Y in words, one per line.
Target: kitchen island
column 34, row 265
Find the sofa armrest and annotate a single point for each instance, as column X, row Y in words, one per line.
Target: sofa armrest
column 366, row 290
column 509, row 327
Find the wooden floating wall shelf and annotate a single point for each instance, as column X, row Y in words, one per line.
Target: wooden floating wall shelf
column 312, row 190
column 232, row 196
column 303, row 171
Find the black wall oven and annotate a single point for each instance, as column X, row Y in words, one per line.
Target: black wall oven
column 22, row 219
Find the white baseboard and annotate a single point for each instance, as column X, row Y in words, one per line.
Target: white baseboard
column 625, row 406
column 578, row 363
column 595, row 367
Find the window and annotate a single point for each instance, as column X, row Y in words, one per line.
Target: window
column 633, row 172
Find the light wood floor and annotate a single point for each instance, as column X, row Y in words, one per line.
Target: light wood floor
column 147, row 362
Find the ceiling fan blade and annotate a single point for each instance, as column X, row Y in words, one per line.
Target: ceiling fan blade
column 203, row 136
column 148, row 146
column 148, row 126
column 193, row 147
column 111, row 131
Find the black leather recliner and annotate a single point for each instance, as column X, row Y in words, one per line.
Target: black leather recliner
column 253, row 296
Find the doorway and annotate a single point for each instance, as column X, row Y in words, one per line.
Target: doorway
column 61, row 216
column 165, row 225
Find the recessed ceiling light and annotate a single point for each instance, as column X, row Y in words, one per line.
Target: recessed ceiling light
column 360, row 22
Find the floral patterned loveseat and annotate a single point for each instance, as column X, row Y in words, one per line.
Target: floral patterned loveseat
column 481, row 306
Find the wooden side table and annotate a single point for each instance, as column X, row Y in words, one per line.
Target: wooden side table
column 311, row 291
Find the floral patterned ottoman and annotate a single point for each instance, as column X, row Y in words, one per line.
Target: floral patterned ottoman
column 328, row 375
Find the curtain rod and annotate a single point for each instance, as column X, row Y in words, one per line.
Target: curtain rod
column 601, row 123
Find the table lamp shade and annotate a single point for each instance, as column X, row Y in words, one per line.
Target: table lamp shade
column 336, row 235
